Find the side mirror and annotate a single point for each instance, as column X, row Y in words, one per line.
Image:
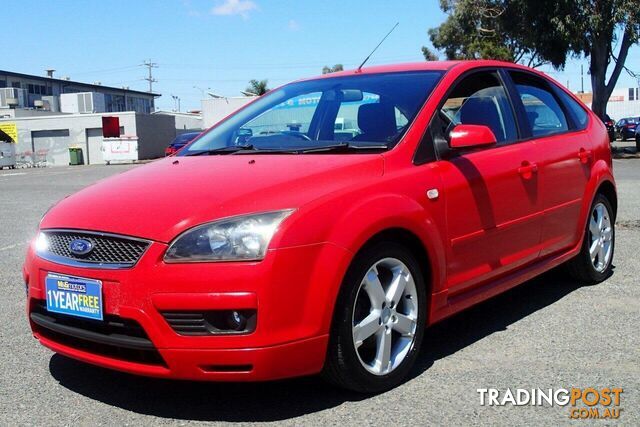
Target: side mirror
column 470, row 136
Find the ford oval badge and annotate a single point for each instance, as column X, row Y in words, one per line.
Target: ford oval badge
column 80, row 246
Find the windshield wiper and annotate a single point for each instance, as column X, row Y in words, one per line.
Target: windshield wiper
column 222, row 150
column 344, row 147
column 251, row 149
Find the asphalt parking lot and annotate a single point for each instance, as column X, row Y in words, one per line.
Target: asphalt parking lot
column 549, row 333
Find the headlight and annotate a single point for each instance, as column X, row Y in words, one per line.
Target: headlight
column 241, row 238
column 41, row 242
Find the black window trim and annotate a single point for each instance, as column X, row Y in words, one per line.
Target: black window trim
column 559, row 91
column 427, row 152
column 571, row 122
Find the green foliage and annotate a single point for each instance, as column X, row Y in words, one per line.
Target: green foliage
column 335, row 68
column 257, row 87
column 476, row 29
column 535, row 32
column 429, row 55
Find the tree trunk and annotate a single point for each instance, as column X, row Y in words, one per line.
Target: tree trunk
column 598, row 71
column 599, row 63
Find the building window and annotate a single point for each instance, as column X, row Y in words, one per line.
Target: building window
column 3, row 83
column 631, row 94
column 114, row 103
column 139, row 105
column 16, row 85
column 31, row 89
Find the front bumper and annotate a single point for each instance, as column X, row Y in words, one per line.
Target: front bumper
column 293, row 291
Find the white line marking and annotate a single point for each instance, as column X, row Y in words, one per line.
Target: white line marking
column 15, row 245
column 13, row 174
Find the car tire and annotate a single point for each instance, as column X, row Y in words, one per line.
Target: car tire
column 375, row 337
column 599, row 238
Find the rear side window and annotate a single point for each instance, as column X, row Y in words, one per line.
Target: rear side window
column 580, row 116
column 544, row 113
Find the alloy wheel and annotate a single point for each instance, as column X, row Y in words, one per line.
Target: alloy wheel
column 385, row 316
column 600, row 237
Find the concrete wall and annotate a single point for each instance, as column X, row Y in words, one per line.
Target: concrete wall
column 54, row 150
column 618, row 110
column 155, row 132
column 185, row 122
column 215, row 109
column 45, row 140
column 23, row 112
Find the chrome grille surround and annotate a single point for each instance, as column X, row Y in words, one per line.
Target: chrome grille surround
column 110, row 251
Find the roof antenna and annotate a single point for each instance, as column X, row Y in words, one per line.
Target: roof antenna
column 376, row 48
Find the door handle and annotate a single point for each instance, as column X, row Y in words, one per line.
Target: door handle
column 527, row 169
column 584, row 155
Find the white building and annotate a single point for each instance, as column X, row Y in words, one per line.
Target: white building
column 216, row 109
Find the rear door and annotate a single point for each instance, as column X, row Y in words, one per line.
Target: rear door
column 557, row 124
column 492, row 193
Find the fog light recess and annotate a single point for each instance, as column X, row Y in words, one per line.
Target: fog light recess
column 213, row 322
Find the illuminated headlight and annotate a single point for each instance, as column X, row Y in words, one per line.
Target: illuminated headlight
column 41, row 243
column 241, row 238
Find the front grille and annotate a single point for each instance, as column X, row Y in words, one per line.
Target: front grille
column 114, row 337
column 107, row 249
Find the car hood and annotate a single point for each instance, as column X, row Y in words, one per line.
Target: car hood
column 160, row 200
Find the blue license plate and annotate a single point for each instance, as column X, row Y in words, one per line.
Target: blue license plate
column 74, row 296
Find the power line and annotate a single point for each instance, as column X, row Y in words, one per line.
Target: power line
column 150, row 66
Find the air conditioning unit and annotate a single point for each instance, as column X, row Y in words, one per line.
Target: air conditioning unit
column 82, row 102
column 11, row 97
column 51, row 103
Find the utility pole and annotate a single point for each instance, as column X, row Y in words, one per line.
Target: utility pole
column 581, row 78
column 150, row 66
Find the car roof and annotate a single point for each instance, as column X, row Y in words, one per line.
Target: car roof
column 424, row 66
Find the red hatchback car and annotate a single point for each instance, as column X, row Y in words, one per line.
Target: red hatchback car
column 301, row 247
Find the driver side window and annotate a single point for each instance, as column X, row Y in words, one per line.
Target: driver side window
column 480, row 99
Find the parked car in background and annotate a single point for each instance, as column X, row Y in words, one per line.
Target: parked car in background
column 626, row 127
column 179, row 142
column 259, row 253
column 611, row 128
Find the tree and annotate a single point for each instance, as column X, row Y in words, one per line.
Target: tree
column 535, row 32
column 335, row 68
column 257, row 87
column 428, row 54
column 599, row 26
column 484, row 29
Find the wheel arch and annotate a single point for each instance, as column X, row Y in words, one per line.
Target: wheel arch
column 608, row 190
column 409, row 240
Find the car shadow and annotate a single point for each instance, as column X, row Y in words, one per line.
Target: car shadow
column 281, row 400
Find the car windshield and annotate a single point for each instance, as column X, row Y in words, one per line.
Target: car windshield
column 355, row 113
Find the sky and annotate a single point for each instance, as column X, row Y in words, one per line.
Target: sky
column 217, row 46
